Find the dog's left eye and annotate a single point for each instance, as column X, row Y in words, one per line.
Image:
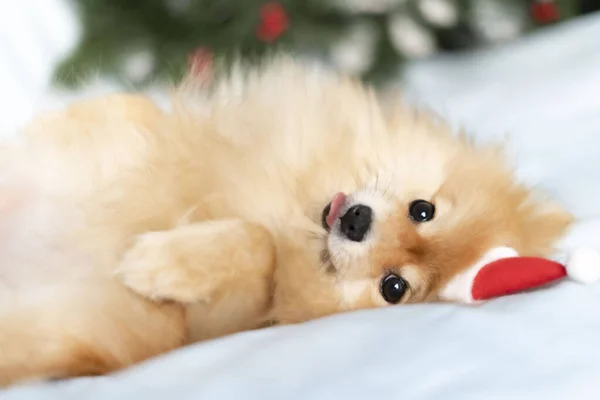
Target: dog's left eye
column 393, row 288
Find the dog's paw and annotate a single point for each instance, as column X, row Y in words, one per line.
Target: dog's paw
column 151, row 268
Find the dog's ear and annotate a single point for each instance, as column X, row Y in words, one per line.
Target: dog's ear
column 95, row 112
column 135, row 108
column 100, row 136
column 544, row 222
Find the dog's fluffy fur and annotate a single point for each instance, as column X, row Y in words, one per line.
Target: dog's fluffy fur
column 210, row 214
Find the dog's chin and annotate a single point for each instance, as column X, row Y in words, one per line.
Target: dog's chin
column 326, row 261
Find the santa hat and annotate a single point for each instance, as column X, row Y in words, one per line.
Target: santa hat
column 501, row 271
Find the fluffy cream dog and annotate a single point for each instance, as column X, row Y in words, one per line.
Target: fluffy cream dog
column 286, row 194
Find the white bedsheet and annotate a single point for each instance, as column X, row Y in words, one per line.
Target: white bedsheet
column 544, row 92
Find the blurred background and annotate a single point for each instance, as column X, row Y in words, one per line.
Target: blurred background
column 66, row 46
column 142, row 42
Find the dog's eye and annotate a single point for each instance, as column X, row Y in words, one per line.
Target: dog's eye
column 393, row 288
column 421, row 211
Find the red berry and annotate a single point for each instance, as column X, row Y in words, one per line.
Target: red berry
column 545, row 12
column 274, row 22
column 200, row 59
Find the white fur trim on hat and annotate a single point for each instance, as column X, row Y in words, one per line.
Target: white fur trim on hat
column 459, row 289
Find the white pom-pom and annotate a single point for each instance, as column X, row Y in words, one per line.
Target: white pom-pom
column 497, row 21
column 584, row 265
column 355, row 52
column 138, row 65
column 366, row 7
column 410, row 38
column 442, row 13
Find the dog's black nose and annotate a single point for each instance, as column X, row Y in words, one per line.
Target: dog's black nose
column 356, row 222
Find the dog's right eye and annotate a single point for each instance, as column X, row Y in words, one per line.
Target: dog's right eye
column 393, row 288
column 421, row 211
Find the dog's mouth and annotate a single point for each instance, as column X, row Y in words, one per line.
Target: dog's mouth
column 332, row 211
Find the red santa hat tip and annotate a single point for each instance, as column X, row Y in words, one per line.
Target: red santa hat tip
column 501, row 272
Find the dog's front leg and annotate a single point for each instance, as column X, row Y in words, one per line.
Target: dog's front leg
column 199, row 262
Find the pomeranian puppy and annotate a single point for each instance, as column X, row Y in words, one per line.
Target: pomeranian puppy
column 283, row 194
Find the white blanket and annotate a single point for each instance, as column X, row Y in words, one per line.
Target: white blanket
column 543, row 92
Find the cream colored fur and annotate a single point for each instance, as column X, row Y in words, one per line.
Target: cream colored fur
column 129, row 231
